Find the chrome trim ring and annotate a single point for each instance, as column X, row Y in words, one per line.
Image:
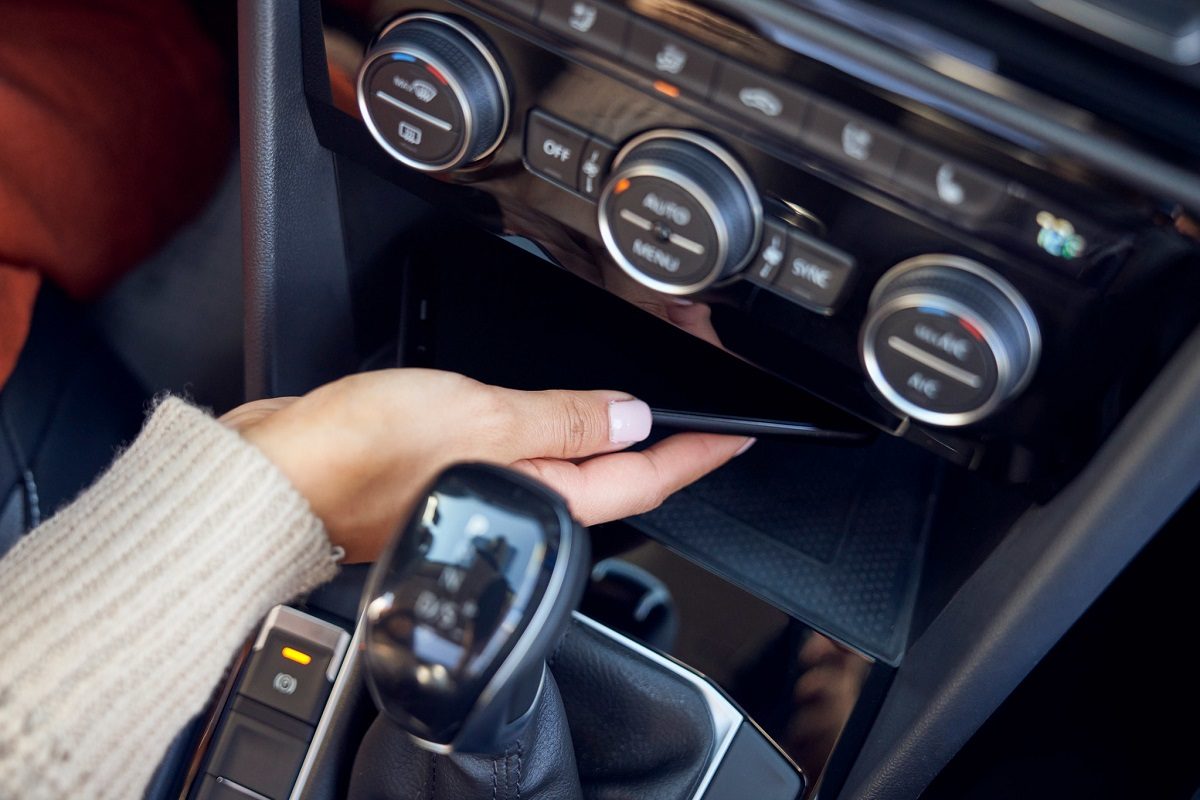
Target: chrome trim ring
column 1007, row 384
column 691, row 187
column 459, row 156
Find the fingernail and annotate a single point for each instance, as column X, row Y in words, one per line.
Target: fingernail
column 749, row 443
column 628, row 421
column 679, row 301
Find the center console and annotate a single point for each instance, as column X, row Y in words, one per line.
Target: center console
column 940, row 257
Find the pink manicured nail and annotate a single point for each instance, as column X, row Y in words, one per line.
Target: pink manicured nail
column 749, row 443
column 628, row 421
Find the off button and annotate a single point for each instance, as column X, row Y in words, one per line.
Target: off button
column 554, row 149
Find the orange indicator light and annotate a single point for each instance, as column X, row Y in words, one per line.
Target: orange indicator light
column 292, row 654
column 669, row 89
column 621, row 186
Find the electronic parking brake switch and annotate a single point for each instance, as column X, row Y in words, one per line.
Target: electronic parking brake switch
column 265, row 733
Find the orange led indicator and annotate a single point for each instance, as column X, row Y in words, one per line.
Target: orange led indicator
column 669, row 89
column 621, row 186
column 292, row 654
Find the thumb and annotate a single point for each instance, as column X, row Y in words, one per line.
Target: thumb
column 567, row 424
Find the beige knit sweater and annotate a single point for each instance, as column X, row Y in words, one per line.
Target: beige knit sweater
column 119, row 615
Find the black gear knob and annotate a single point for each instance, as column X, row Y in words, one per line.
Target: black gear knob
column 466, row 604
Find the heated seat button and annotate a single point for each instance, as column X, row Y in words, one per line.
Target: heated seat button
column 853, row 141
column 289, row 674
column 595, row 25
column 554, row 149
column 759, row 100
column 672, row 59
column 814, row 273
column 771, row 253
column 949, row 185
column 593, row 165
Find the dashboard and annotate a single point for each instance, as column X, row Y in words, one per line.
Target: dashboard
column 891, row 217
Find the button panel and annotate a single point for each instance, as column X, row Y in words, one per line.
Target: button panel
column 266, row 727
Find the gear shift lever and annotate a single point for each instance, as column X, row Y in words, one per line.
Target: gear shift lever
column 463, row 609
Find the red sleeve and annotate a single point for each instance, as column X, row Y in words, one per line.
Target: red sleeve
column 116, row 126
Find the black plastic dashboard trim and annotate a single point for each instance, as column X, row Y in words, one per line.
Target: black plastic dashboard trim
column 298, row 329
column 1053, row 564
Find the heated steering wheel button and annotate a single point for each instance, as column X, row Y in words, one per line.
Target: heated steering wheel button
column 289, row 675
column 814, row 273
column 554, row 149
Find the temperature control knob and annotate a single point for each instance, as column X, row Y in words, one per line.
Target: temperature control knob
column 678, row 212
column 947, row 341
column 432, row 93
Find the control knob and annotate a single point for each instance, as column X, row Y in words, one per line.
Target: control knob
column 432, row 93
column 679, row 212
column 947, row 341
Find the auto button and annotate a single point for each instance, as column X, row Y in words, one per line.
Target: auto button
column 679, row 212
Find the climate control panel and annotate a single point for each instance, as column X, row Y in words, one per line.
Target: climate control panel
column 816, row 229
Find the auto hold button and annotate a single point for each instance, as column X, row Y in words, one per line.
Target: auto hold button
column 553, row 149
column 759, row 100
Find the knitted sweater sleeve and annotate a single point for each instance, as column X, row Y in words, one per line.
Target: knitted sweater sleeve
column 119, row 615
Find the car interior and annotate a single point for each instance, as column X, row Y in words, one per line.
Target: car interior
column 941, row 259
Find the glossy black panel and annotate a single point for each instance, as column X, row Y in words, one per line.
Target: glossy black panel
column 855, row 170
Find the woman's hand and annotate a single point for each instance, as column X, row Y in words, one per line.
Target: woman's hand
column 361, row 449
